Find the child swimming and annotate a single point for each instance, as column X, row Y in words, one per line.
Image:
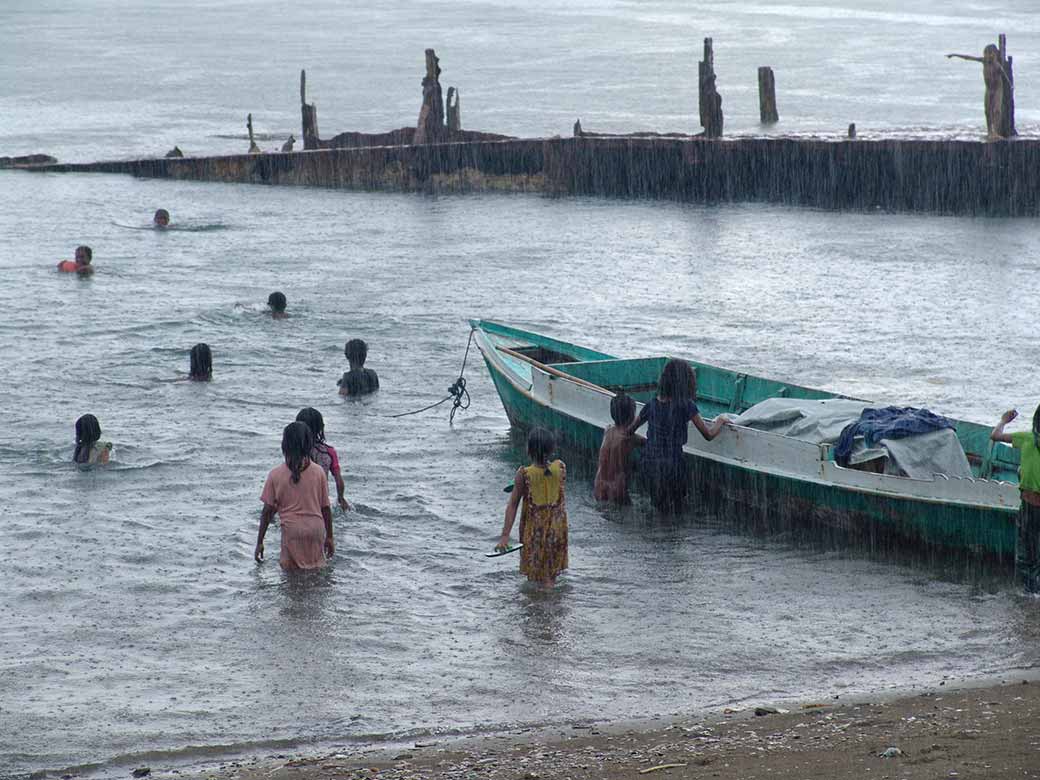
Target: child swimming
column 668, row 414
column 201, row 363
column 358, row 380
column 323, row 453
column 543, row 524
column 277, row 302
column 81, row 265
column 298, row 492
column 612, row 468
column 89, row 449
column 1027, row 545
column 161, row 220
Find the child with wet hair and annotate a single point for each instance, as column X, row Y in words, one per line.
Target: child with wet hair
column 81, row 265
column 323, row 453
column 611, row 483
column 161, row 220
column 89, row 450
column 668, row 414
column 277, row 302
column 543, row 524
column 358, row 380
column 201, row 363
column 1027, row 545
column 298, row 492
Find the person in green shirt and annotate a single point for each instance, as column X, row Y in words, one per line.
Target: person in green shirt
column 1027, row 548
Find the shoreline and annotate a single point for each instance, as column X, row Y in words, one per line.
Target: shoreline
column 975, row 728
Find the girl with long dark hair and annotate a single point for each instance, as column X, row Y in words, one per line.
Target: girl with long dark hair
column 663, row 466
column 298, row 492
column 89, row 448
column 323, row 453
column 201, row 363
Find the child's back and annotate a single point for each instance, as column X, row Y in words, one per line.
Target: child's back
column 612, row 469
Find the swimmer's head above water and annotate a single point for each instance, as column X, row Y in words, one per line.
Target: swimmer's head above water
column 161, row 218
column 201, row 363
column 356, row 353
column 277, row 302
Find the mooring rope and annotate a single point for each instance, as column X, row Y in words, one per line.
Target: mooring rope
column 457, row 390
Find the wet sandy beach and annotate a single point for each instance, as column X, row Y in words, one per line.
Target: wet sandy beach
column 990, row 731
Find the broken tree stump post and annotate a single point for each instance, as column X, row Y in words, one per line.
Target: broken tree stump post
column 577, row 128
column 253, row 148
column 709, row 99
column 430, row 127
column 1009, row 91
column 309, row 114
column 852, row 130
column 454, row 108
column 999, row 98
column 767, row 96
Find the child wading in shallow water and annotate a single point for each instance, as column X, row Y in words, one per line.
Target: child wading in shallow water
column 88, row 449
column 277, row 302
column 543, row 524
column 668, row 414
column 298, row 492
column 612, row 469
column 358, row 380
column 323, row 453
column 1027, row 546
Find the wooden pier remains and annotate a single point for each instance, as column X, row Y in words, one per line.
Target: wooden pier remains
column 931, row 176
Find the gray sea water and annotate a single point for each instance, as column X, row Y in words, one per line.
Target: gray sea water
column 134, row 625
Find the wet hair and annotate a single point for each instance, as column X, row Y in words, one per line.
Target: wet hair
column 88, row 431
column 276, row 301
column 356, row 351
column 201, row 362
column 540, row 446
column 677, row 382
column 297, row 441
column 1036, row 427
column 312, row 418
column 87, row 251
column 161, row 213
column 622, row 409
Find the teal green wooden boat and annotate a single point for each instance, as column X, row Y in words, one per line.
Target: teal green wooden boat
column 775, row 479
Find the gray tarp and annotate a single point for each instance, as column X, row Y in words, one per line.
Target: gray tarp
column 821, row 422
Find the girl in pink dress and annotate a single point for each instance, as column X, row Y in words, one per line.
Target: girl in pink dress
column 298, row 492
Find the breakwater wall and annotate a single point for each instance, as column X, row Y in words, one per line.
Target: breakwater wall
column 931, row 176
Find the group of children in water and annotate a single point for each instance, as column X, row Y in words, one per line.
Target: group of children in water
column 299, row 494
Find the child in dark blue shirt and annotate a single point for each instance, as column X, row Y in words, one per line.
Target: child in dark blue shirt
column 667, row 414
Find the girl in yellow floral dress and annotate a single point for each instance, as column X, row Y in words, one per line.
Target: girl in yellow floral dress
column 543, row 524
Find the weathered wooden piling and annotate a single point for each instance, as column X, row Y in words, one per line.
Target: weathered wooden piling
column 430, row 128
column 253, row 148
column 709, row 99
column 998, row 76
column 767, row 96
column 454, row 110
column 309, row 115
column 852, row 130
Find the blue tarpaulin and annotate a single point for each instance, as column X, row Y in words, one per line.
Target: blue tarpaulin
column 891, row 422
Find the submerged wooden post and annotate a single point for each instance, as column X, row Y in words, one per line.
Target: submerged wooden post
column 577, row 128
column 309, row 113
column 454, row 110
column 430, row 127
column 767, row 96
column 852, row 130
column 709, row 99
column 253, row 148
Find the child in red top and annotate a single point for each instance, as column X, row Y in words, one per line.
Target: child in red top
column 323, row 453
column 612, row 470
